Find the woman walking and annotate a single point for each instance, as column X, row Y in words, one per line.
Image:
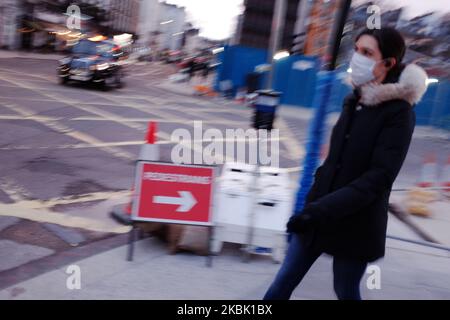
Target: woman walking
column 345, row 213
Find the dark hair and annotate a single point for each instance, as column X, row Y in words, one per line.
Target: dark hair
column 392, row 45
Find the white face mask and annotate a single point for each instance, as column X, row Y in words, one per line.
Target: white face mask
column 362, row 69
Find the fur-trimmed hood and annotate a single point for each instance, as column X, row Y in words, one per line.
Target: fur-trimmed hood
column 411, row 87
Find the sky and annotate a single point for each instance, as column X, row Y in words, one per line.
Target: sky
column 418, row 7
column 217, row 18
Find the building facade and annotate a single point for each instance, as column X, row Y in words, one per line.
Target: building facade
column 11, row 13
column 321, row 28
column 193, row 43
column 123, row 15
column 254, row 27
column 172, row 24
column 161, row 25
column 148, row 25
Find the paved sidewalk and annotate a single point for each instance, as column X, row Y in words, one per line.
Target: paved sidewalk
column 436, row 226
column 185, row 87
column 407, row 272
column 179, row 88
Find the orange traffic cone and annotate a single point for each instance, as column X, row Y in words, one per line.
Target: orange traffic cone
column 150, row 150
column 151, row 133
column 429, row 172
column 201, row 90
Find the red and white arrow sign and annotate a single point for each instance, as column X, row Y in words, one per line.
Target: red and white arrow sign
column 185, row 201
column 171, row 193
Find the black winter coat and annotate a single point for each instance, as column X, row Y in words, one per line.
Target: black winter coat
column 351, row 189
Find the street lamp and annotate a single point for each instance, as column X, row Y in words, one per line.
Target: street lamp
column 278, row 22
column 281, row 55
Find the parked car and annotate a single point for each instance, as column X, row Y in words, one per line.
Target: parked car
column 91, row 61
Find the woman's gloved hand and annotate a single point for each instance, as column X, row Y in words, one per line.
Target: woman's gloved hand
column 302, row 222
column 299, row 223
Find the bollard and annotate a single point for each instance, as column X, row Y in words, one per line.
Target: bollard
column 266, row 104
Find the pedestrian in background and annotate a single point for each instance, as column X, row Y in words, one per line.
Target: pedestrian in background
column 346, row 210
column 191, row 68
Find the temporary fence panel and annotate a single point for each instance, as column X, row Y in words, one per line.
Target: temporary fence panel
column 296, row 78
column 236, row 63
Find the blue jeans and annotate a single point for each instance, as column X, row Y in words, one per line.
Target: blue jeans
column 347, row 273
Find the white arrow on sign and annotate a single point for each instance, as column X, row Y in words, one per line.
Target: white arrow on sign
column 186, row 201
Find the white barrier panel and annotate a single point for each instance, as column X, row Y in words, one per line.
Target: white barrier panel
column 234, row 218
column 274, row 205
column 234, row 205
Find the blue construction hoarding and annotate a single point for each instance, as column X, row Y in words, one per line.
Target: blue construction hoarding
column 296, row 78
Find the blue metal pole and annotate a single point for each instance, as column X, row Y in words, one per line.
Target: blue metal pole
column 316, row 136
column 321, row 99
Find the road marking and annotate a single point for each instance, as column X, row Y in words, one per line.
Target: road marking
column 76, row 146
column 144, row 109
column 27, row 75
column 166, row 103
column 85, row 138
column 38, row 210
column 71, row 133
column 22, row 118
column 146, row 120
column 77, row 105
column 77, row 134
column 121, row 144
column 156, row 100
column 95, row 196
column 155, row 105
column 190, row 146
column 46, row 216
column 132, row 124
column 211, row 108
column 13, row 190
column 159, row 112
column 20, row 78
column 90, row 140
